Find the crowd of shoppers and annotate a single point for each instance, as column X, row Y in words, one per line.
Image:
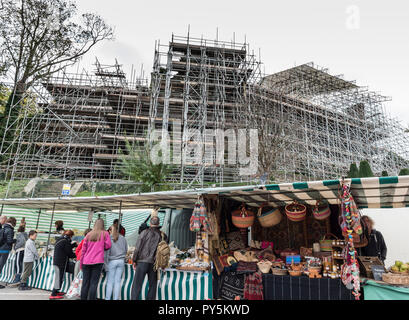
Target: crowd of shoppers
column 98, row 248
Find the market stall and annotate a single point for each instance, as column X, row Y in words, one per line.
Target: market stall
column 252, row 242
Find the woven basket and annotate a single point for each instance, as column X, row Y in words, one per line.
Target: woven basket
column 279, row 272
column 270, row 218
column 394, row 278
column 264, row 266
column 326, row 244
column 294, row 273
column 321, row 210
column 295, row 212
column 242, row 218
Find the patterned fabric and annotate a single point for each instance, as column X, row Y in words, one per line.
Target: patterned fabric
column 246, row 267
column 232, row 286
column 253, row 286
column 350, row 223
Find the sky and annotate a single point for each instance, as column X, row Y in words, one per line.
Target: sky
column 365, row 40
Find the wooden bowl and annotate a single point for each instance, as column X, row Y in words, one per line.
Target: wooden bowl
column 294, row 273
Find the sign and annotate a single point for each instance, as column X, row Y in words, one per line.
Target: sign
column 66, row 189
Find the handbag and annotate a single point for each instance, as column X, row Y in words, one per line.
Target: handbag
column 246, row 267
column 70, row 267
column 74, row 292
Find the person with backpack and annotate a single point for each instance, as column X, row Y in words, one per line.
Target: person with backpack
column 63, row 251
column 150, row 255
column 6, row 242
column 92, row 259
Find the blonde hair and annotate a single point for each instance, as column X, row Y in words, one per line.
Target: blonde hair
column 114, row 232
column 98, row 232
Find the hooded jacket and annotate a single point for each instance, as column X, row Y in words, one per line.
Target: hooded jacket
column 8, row 237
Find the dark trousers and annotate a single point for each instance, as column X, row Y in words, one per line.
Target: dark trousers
column 90, row 279
column 3, row 260
column 143, row 269
column 18, row 267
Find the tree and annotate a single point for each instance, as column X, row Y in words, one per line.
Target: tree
column 404, row 172
column 365, row 169
column 353, row 171
column 138, row 166
column 39, row 38
column 385, row 173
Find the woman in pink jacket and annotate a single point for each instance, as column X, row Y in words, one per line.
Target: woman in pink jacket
column 92, row 259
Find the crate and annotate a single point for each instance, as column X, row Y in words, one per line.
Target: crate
column 366, row 263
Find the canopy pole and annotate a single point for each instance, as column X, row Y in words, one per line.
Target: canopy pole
column 2, row 207
column 49, row 231
column 120, row 216
column 38, row 219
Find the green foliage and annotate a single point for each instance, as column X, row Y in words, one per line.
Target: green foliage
column 353, row 171
column 137, row 165
column 4, row 95
column 365, row 170
column 404, row 172
column 385, row 173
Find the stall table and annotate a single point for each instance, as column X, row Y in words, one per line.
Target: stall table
column 173, row 284
column 379, row 290
column 303, row 288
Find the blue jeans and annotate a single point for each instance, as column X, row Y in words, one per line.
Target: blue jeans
column 114, row 276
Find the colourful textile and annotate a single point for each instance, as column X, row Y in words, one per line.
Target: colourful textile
column 253, row 286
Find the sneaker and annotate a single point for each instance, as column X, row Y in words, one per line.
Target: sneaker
column 55, row 297
column 1, row 286
column 27, row 288
column 21, row 287
column 60, row 294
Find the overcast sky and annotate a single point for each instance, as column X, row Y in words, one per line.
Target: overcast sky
column 365, row 40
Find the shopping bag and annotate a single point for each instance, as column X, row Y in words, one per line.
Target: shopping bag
column 74, row 292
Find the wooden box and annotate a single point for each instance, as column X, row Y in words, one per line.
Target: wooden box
column 365, row 264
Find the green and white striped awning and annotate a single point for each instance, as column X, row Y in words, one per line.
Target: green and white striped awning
column 382, row 192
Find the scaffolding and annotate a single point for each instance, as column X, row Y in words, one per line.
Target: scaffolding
column 81, row 121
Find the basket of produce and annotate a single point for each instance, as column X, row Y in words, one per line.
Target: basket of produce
column 269, row 218
column 295, row 211
column 242, row 218
column 321, row 210
column 400, row 268
column 395, row 278
column 279, row 271
column 326, row 243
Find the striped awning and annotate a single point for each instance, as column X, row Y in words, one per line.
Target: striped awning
column 382, row 192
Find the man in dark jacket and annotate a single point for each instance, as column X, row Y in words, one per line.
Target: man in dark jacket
column 63, row 251
column 144, row 259
column 6, row 242
column 376, row 244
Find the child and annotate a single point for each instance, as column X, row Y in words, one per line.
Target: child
column 30, row 254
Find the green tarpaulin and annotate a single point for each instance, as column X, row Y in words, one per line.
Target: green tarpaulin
column 379, row 291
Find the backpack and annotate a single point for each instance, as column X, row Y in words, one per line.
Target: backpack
column 144, row 225
column 162, row 255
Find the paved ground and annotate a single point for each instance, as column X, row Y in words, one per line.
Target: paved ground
column 15, row 294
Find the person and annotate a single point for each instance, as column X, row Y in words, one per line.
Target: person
column 30, row 255
column 63, row 251
column 122, row 230
column 2, row 221
column 92, row 259
column 376, row 244
column 59, row 227
column 116, row 263
column 21, row 238
column 7, row 240
column 144, row 259
column 78, row 253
